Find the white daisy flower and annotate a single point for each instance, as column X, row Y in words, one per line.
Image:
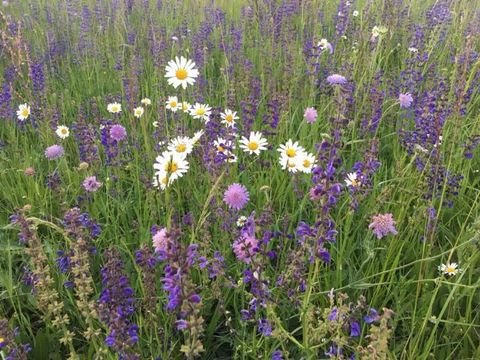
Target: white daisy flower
column 292, row 164
column 23, row 112
column 185, row 106
column 290, row 149
column 307, row 161
column 412, row 49
column 114, row 108
column 62, row 132
column 449, row 269
column 161, row 180
column 172, row 103
column 138, row 112
column 146, row 101
column 172, row 163
column 229, row 117
column 181, row 72
column 223, row 145
column 241, row 221
column 201, row 111
column 352, row 180
column 181, row 145
column 254, row 144
column 355, row 13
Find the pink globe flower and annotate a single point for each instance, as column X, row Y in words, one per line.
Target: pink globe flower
column 336, row 79
column 382, row 225
column 310, row 115
column 118, row 133
column 245, row 247
column 405, row 100
column 91, row 184
column 54, row 152
column 161, row 240
column 236, row 196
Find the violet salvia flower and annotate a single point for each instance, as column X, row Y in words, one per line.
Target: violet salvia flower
column 6, row 110
column 382, row 225
column 264, row 327
column 372, row 316
column 310, row 115
column 236, row 196
column 8, row 347
column 116, row 306
column 147, row 262
column 277, row 355
column 405, row 100
column 54, row 152
column 38, row 78
column 85, row 136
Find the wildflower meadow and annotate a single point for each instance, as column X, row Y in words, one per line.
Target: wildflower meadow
column 240, row 179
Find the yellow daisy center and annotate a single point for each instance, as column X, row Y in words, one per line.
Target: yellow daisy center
column 25, row 112
column 173, row 104
column 306, row 163
column 450, row 270
column 64, row 131
column 220, row 148
column 171, row 167
column 181, row 147
column 291, row 164
column 252, row 145
column 291, row 152
column 181, row 74
column 200, row 111
column 229, row 118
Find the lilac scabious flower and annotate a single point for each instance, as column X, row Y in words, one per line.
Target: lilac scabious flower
column 245, row 247
column 91, row 184
column 310, row 115
column 382, row 225
column 116, row 306
column 405, row 100
column 161, row 243
column 118, row 132
column 336, row 79
column 236, row 196
column 54, row 152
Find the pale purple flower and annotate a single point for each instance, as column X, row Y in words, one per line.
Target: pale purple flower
column 54, row 152
column 406, row 100
column 118, row 132
column 383, row 224
column 336, row 79
column 236, row 196
column 310, row 115
column 160, row 240
column 91, row 184
column 245, row 248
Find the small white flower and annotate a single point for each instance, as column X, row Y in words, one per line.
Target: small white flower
column 138, row 112
column 146, row 101
column 23, row 112
column 254, row 144
column 449, row 269
column 229, row 117
column 185, row 106
column 413, row 50
column 173, row 164
column 201, row 111
column 181, row 145
column 241, row 221
column 114, row 108
column 307, row 161
column 291, row 164
column 172, row 103
column 290, row 149
column 62, row 132
column 181, row 72
column 352, row 180
column 155, row 124
column 355, row 13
